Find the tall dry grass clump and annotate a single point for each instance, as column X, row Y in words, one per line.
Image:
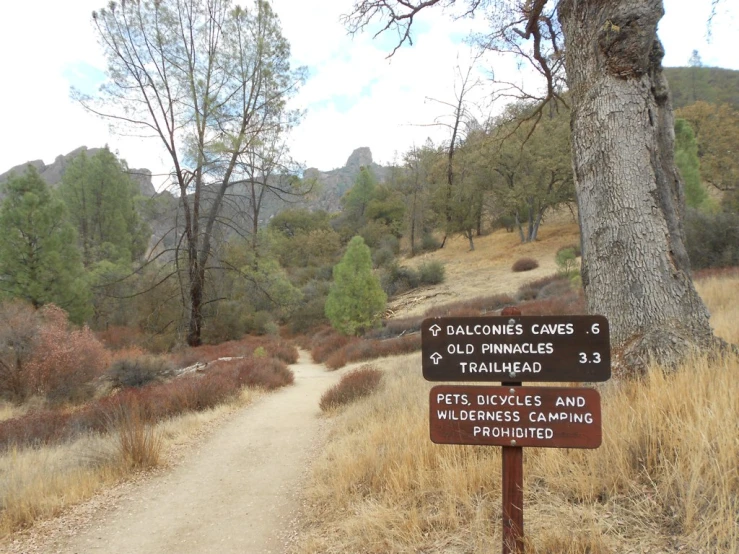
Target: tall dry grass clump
column 139, row 445
column 720, row 292
column 665, row 475
column 666, row 478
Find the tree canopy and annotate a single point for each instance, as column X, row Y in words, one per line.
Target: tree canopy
column 39, row 260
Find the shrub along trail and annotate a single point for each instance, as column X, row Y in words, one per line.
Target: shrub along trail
column 237, row 491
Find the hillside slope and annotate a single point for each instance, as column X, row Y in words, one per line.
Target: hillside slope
column 486, row 270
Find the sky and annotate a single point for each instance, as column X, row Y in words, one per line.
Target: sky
column 354, row 96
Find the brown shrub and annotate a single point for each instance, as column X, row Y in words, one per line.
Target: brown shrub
column 327, row 342
column 19, row 330
column 370, row 349
column 65, row 360
column 572, row 303
column 355, row 384
column 336, row 359
column 531, row 290
column 118, row 337
column 151, row 403
column 525, row 264
column 283, row 351
column 474, row 307
column 35, row 428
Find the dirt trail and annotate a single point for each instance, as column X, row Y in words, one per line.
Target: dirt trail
column 236, row 492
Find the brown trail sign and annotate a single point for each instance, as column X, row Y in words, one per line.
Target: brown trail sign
column 554, row 417
column 516, row 348
column 513, row 348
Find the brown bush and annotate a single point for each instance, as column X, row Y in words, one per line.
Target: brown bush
column 266, row 373
column 355, row 384
column 572, row 303
column 283, row 351
column 118, row 337
column 476, row 306
column 42, row 354
column 35, row 428
column 327, row 342
column 525, row 264
column 531, row 290
column 370, row 349
column 336, row 359
column 152, row 402
column 19, row 330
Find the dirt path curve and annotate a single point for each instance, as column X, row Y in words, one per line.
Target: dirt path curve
column 236, row 492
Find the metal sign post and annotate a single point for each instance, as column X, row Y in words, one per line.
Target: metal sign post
column 512, row 349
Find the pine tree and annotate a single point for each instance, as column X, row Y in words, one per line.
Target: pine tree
column 100, row 199
column 39, row 261
column 356, row 299
column 686, row 158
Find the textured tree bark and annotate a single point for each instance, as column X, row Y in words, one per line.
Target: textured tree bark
column 635, row 267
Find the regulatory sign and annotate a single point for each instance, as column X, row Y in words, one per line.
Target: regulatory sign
column 554, row 417
column 516, row 348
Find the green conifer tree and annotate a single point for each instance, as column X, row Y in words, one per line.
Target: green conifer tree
column 39, row 260
column 686, row 159
column 100, row 199
column 356, row 300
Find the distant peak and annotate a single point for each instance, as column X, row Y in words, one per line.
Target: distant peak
column 361, row 156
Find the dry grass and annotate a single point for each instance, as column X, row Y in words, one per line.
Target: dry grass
column 665, row 480
column 40, row 482
column 10, row 410
column 720, row 292
column 486, row 270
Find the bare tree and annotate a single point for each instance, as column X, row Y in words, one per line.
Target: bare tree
column 208, row 80
column 635, row 267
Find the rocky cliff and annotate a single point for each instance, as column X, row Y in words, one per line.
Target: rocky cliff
column 333, row 184
column 53, row 172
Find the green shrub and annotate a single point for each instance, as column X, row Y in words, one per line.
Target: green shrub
column 525, row 264
column 429, row 243
column 229, row 320
column 505, row 221
column 355, row 384
column 566, row 259
column 138, row 372
column 397, row 279
column 531, row 290
column 712, row 239
column 382, row 257
column 431, row 273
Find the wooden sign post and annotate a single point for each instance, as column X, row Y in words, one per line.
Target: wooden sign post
column 512, row 349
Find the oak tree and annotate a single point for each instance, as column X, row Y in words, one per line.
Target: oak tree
column 635, row 267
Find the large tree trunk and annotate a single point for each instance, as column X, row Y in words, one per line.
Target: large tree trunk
column 635, row 267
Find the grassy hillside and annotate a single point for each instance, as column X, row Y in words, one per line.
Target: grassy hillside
column 709, row 84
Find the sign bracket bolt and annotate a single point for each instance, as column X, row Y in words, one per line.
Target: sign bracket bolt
column 513, row 442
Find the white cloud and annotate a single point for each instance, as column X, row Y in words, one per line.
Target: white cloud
column 383, row 101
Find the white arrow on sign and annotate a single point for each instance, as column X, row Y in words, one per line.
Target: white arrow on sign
column 435, row 329
column 435, row 357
